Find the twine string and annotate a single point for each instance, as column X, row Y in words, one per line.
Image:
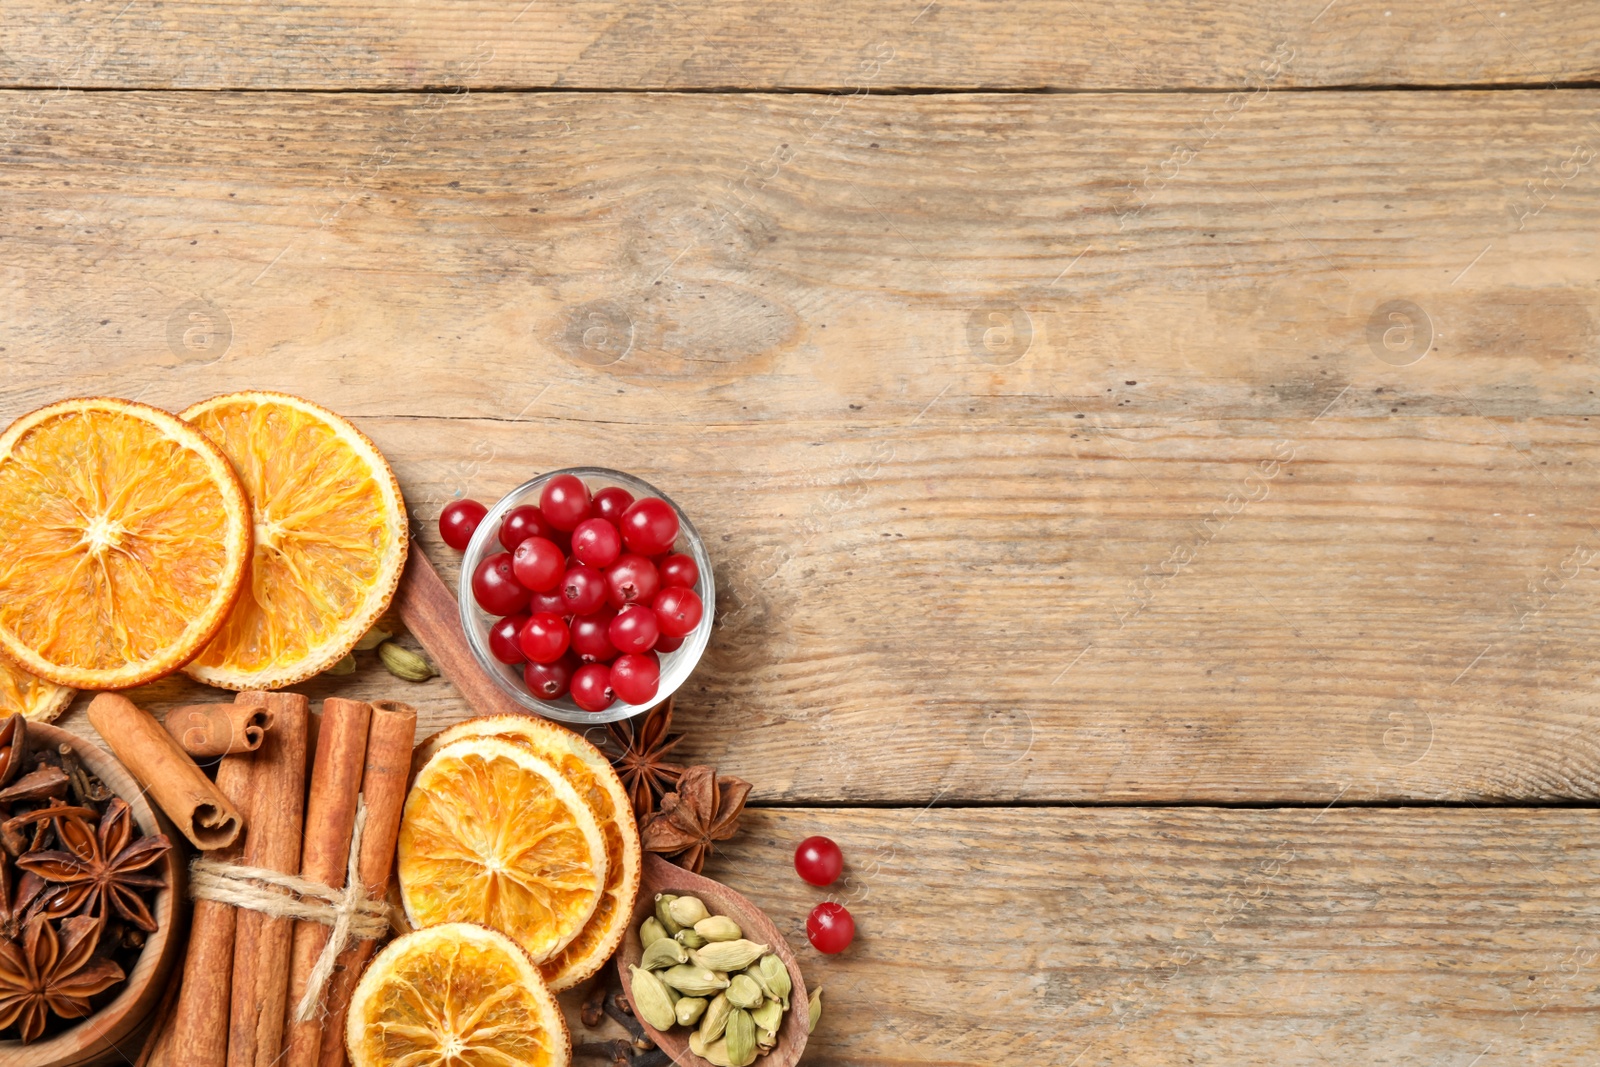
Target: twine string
column 286, row 896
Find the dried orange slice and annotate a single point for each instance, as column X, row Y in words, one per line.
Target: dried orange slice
column 493, row 834
column 123, row 541
column 590, row 773
column 455, row 995
column 330, row 539
column 36, row 698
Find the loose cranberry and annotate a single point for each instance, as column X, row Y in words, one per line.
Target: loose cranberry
column 611, row 502
column 680, row 570
column 550, row 681
column 565, row 501
column 543, row 637
column 495, row 586
column 503, row 639
column 585, row 590
column 591, row 638
column 649, row 526
column 591, row 687
column 818, row 860
column 830, row 928
column 458, row 521
column 523, row 522
column 678, row 611
column 538, row 564
column 635, row 679
column 632, row 578
column 596, row 542
column 635, row 629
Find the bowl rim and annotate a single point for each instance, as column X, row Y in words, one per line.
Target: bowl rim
column 82, row 1042
column 683, row 661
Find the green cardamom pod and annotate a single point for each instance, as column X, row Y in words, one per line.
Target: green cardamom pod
column 769, row 1016
column 715, row 1019
column 718, row 928
column 753, row 972
column 689, row 939
column 372, row 639
column 404, row 663
column 650, row 997
column 686, row 911
column 690, row 1009
column 775, row 976
column 663, row 954
column 716, row 1053
column 663, row 916
column 693, row 981
column 344, row 666
column 696, row 1045
column 741, row 1038
column 816, row 1010
column 766, row 1040
column 744, row 993
column 728, row 955
column 651, row 931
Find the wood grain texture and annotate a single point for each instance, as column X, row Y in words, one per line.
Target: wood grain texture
column 703, row 44
column 1102, row 937
column 1058, row 488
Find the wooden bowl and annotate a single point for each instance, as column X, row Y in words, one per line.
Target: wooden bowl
column 663, row 877
column 102, row 1036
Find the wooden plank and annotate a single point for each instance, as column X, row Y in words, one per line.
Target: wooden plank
column 1064, row 494
column 702, row 44
column 1103, row 936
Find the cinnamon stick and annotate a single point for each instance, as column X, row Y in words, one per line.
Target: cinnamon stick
column 330, row 819
column 157, row 1048
column 151, row 755
column 429, row 609
column 262, row 944
column 383, row 785
column 200, row 1031
column 206, row 731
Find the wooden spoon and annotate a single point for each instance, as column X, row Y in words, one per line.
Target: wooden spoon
column 659, row 876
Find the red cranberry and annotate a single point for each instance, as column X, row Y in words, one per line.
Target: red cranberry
column 458, row 521
column 635, row 679
column 680, row 570
column 565, row 501
column 495, row 586
column 649, row 526
column 591, row 687
column 503, row 639
column 632, row 578
column 611, row 502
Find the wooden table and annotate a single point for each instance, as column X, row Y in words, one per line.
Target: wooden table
column 1149, row 451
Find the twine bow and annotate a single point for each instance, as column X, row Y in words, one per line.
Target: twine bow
column 287, row 896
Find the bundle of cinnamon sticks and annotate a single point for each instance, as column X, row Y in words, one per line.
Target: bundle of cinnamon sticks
column 298, row 792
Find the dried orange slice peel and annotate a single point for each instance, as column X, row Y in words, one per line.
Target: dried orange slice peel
column 330, row 539
column 34, row 697
column 493, row 834
column 126, row 539
column 455, row 995
column 590, row 773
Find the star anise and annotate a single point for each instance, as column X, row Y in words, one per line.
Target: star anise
column 704, row 809
column 13, row 746
column 14, row 906
column 642, row 763
column 50, row 974
column 98, row 871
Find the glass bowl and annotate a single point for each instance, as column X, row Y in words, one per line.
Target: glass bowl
column 676, row 666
